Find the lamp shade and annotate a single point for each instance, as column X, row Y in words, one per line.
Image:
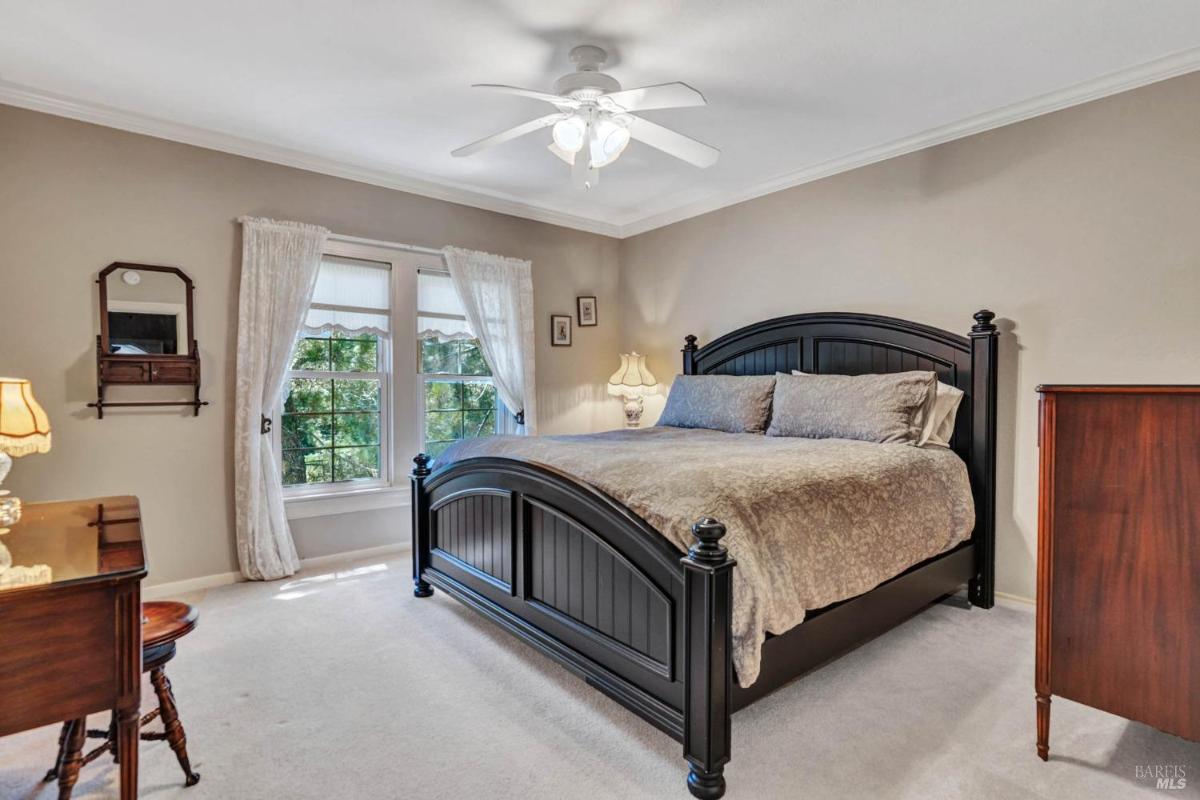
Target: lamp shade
column 632, row 379
column 24, row 426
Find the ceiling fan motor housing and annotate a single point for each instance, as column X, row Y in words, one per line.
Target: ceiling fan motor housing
column 588, row 82
column 586, row 85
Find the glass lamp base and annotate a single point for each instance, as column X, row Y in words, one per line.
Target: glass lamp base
column 633, row 412
column 10, row 511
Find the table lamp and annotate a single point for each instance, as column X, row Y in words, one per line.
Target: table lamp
column 632, row 382
column 24, row 429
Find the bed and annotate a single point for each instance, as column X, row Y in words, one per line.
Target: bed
column 592, row 583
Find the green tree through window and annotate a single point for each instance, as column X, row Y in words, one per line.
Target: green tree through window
column 331, row 426
column 460, row 398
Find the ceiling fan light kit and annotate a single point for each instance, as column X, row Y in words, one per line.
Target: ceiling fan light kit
column 595, row 113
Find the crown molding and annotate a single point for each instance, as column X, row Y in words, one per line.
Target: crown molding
column 1123, row 80
column 667, row 213
column 388, row 178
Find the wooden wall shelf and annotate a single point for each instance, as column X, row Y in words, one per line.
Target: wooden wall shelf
column 145, row 369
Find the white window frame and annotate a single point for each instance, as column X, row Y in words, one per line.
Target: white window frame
column 426, row 377
column 322, row 499
column 383, row 354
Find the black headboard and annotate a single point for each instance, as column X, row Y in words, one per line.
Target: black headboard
column 854, row 344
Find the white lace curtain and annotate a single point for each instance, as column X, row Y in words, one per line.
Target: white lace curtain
column 280, row 261
column 497, row 297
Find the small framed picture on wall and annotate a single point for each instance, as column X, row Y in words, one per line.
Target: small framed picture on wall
column 586, row 311
column 560, row 330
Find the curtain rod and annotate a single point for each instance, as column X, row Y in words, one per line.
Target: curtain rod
column 410, row 248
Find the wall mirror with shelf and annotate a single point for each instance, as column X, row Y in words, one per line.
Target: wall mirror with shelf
column 146, row 333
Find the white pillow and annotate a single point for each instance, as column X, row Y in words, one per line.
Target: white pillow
column 938, row 427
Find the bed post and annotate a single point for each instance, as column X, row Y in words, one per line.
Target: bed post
column 689, row 355
column 708, row 659
column 984, row 338
column 420, row 525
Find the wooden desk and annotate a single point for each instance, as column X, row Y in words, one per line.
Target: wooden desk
column 73, row 646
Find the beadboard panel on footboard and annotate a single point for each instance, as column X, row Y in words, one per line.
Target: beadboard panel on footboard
column 592, row 587
column 473, row 531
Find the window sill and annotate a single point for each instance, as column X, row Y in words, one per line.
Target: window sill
column 325, row 505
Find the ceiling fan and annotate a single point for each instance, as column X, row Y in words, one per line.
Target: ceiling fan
column 594, row 123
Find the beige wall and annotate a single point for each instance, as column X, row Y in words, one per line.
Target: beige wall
column 75, row 197
column 1081, row 229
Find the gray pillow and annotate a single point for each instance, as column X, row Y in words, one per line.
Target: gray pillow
column 873, row 408
column 729, row 403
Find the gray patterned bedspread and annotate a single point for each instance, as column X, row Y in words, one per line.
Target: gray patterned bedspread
column 810, row 521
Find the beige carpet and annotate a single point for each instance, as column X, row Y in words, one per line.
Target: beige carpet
column 339, row 684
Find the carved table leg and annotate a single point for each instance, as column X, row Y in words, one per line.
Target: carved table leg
column 127, row 745
column 171, row 724
column 52, row 774
column 1043, row 726
column 74, row 732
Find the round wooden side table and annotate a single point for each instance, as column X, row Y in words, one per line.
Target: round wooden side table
column 163, row 624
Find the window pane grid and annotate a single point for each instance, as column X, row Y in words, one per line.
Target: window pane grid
column 459, row 395
column 332, row 420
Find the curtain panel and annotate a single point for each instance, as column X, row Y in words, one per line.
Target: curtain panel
column 280, row 261
column 497, row 297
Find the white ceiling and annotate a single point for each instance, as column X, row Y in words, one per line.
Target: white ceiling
column 380, row 91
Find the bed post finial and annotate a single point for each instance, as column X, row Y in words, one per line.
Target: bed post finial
column 708, row 659
column 708, row 548
column 420, row 525
column 421, row 469
column 983, row 321
column 689, row 354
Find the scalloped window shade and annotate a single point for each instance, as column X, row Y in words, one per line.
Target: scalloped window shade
column 440, row 312
column 351, row 297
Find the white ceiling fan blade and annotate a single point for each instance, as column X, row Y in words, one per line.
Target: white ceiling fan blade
column 673, row 144
column 508, row 135
column 647, row 98
column 558, row 100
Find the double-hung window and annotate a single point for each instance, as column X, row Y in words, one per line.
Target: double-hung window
column 458, row 397
column 335, row 421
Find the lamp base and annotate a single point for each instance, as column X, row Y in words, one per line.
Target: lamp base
column 633, row 412
column 10, row 507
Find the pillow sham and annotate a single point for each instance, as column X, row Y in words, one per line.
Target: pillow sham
column 730, row 403
column 872, row 408
column 938, row 427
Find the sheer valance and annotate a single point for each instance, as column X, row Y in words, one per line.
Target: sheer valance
column 351, row 297
column 440, row 312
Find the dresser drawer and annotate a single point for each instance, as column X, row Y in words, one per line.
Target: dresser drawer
column 173, row 372
column 125, row 371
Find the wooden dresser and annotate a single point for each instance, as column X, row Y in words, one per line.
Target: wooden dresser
column 72, row 645
column 1118, row 587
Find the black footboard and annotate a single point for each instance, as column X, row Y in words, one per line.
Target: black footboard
column 586, row 581
column 578, row 576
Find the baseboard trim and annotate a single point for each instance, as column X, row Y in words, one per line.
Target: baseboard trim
column 163, row 591
column 354, row 555
column 1016, row 598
